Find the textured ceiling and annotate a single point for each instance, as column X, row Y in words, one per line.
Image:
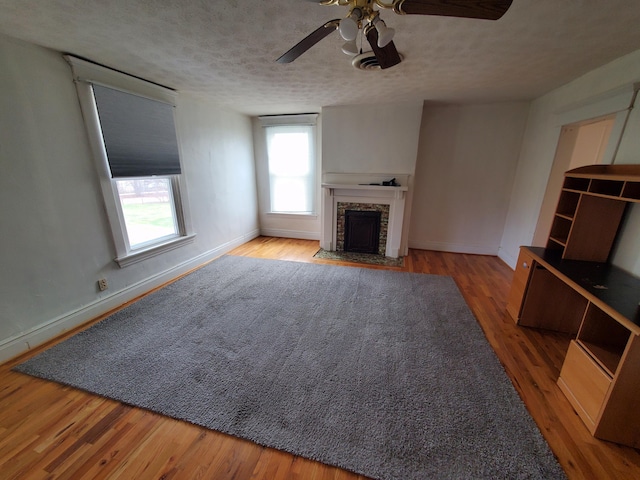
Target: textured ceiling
column 226, row 49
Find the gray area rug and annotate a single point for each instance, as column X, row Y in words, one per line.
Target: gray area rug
column 383, row 373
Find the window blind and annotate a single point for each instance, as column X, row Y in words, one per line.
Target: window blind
column 139, row 134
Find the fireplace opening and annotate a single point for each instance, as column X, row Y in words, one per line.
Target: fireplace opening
column 361, row 231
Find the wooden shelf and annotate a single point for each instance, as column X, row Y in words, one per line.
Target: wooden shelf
column 604, row 338
column 607, row 172
column 561, row 242
column 567, row 217
column 607, row 358
column 620, row 182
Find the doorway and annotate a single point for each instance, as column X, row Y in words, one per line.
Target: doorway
column 580, row 144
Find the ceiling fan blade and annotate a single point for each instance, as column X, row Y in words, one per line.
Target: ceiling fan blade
column 483, row 9
column 309, row 41
column 387, row 56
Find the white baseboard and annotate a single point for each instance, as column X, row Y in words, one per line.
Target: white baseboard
column 455, row 247
column 302, row 235
column 25, row 341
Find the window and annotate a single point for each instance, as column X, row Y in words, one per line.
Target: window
column 292, row 166
column 131, row 127
column 148, row 209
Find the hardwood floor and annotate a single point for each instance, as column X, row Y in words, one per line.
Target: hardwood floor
column 51, row 431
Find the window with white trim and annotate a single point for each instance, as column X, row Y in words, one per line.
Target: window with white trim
column 291, row 148
column 133, row 137
column 148, row 210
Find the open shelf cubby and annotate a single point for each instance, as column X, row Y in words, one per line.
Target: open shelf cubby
column 604, row 338
column 580, row 184
column 611, row 188
column 631, row 190
column 568, row 203
column 560, row 229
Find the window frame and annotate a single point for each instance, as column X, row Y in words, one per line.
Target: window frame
column 174, row 192
column 307, row 119
column 85, row 74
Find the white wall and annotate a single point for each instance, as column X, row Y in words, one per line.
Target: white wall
column 217, row 159
column 374, row 139
column 466, row 164
column 541, row 138
column 626, row 253
column 371, row 138
column 55, row 242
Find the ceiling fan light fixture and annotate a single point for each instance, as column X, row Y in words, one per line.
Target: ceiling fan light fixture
column 365, row 15
column 348, row 29
column 349, row 26
column 385, row 34
column 350, row 48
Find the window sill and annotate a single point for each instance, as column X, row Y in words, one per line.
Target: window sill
column 304, row 216
column 138, row 256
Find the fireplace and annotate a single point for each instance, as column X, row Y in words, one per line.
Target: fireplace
column 362, row 231
column 362, row 209
column 360, row 193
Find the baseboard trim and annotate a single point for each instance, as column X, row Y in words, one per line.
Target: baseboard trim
column 455, row 247
column 36, row 336
column 302, row 235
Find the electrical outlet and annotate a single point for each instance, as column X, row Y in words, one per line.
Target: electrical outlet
column 102, row 284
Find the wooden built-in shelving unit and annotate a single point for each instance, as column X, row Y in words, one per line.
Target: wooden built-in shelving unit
column 569, row 287
column 591, row 205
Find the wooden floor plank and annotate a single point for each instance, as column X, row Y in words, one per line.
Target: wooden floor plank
column 52, row 431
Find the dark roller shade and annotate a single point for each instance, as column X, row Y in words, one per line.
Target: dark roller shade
column 139, row 134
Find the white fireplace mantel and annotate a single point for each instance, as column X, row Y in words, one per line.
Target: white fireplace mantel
column 333, row 193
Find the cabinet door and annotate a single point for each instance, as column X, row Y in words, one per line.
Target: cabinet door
column 584, row 383
column 519, row 284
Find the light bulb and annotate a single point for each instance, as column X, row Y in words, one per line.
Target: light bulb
column 385, row 35
column 348, row 28
column 350, row 48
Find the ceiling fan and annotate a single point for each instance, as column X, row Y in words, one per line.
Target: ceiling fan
column 364, row 17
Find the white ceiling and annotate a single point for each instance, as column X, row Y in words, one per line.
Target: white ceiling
column 226, row 49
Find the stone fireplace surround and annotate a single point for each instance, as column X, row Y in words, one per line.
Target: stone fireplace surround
column 343, row 207
column 348, row 188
